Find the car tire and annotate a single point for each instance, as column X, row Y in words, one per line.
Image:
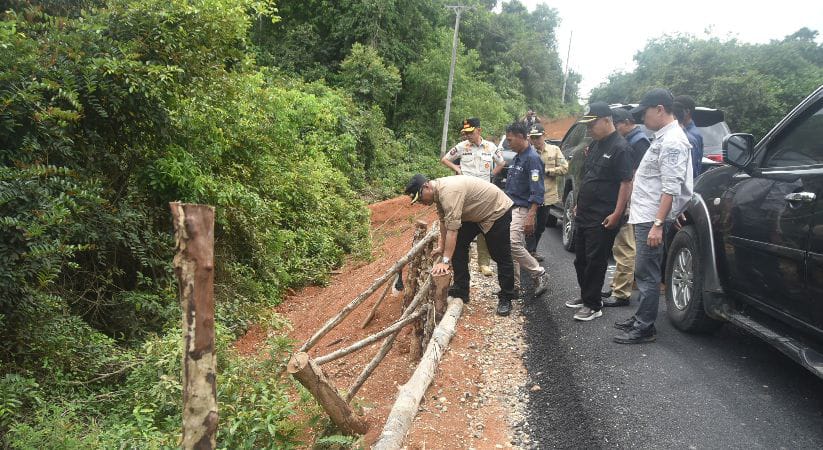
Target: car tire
column 684, row 285
column 568, row 231
column 551, row 221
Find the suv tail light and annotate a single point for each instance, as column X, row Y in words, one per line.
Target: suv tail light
column 715, row 158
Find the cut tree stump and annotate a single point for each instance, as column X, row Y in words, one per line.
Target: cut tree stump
column 311, row 376
column 408, row 400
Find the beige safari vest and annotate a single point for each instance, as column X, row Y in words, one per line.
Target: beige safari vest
column 555, row 164
column 461, row 198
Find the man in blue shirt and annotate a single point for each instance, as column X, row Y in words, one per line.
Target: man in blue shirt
column 524, row 185
column 683, row 108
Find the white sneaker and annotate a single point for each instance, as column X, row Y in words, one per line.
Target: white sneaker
column 541, row 284
column 576, row 303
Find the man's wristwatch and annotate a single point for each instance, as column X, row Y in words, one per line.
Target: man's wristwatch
column 446, row 260
column 658, row 222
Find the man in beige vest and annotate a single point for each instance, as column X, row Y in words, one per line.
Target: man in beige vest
column 468, row 206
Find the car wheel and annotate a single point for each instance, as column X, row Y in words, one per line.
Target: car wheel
column 551, row 221
column 684, row 285
column 568, row 223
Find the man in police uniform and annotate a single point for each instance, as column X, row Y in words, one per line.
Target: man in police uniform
column 468, row 206
column 601, row 201
column 524, row 185
column 479, row 158
column 555, row 164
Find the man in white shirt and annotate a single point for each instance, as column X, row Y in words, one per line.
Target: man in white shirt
column 479, row 158
column 662, row 187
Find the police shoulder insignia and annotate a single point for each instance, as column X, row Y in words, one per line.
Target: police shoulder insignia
column 535, row 175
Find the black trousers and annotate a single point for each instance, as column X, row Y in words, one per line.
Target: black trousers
column 539, row 228
column 500, row 250
column 592, row 246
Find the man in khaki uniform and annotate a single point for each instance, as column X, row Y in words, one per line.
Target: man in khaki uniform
column 468, row 206
column 479, row 158
column 555, row 165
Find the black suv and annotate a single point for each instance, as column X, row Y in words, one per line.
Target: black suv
column 751, row 250
column 710, row 122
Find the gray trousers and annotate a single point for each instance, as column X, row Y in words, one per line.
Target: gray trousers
column 647, row 273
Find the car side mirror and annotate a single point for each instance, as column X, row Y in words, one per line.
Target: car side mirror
column 738, row 150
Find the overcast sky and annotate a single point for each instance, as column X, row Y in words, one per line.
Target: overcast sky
column 607, row 34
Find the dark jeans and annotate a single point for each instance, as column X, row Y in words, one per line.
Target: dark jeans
column 592, row 246
column 539, row 228
column 648, row 262
column 499, row 244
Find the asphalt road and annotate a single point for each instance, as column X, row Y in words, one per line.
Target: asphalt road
column 726, row 390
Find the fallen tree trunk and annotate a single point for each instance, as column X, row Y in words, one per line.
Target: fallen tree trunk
column 334, row 321
column 312, row 378
column 387, row 344
column 408, row 400
column 391, row 329
column 380, row 301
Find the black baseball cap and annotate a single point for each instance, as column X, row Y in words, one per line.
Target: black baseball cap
column 595, row 111
column 655, row 97
column 621, row 115
column 470, row 124
column 536, row 130
column 415, row 185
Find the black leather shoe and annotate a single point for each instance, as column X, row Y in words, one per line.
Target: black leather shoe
column 636, row 336
column 504, row 307
column 606, row 294
column 625, row 325
column 615, row 301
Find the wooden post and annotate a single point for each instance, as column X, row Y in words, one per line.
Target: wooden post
column 312, row 377
column 194, row 267
column 408, row 400
column 413, row 270
column 441, row 291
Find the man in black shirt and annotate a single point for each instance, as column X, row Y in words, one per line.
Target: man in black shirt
column 624, row 247
column 601, row 200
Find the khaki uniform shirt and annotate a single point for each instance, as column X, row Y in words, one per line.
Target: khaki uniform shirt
column 461, row 198
column 476, row 160
column 556, row 165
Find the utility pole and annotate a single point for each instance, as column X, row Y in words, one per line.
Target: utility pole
column 566, row 72
column 458, row 9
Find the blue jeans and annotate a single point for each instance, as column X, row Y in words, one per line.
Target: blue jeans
column 647, row 274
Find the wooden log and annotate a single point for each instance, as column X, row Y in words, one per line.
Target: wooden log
column 194, row 267
column 311, row 376
column 387, row 345
column 379, row 301
column 441, row 291
column 334, row 321
column 413, row 271
column 419, row 339
column 408, row 400
column 391, row 329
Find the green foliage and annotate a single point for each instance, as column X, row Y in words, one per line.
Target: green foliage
column 754, row 84
column 426, row 83
column 364, row 74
